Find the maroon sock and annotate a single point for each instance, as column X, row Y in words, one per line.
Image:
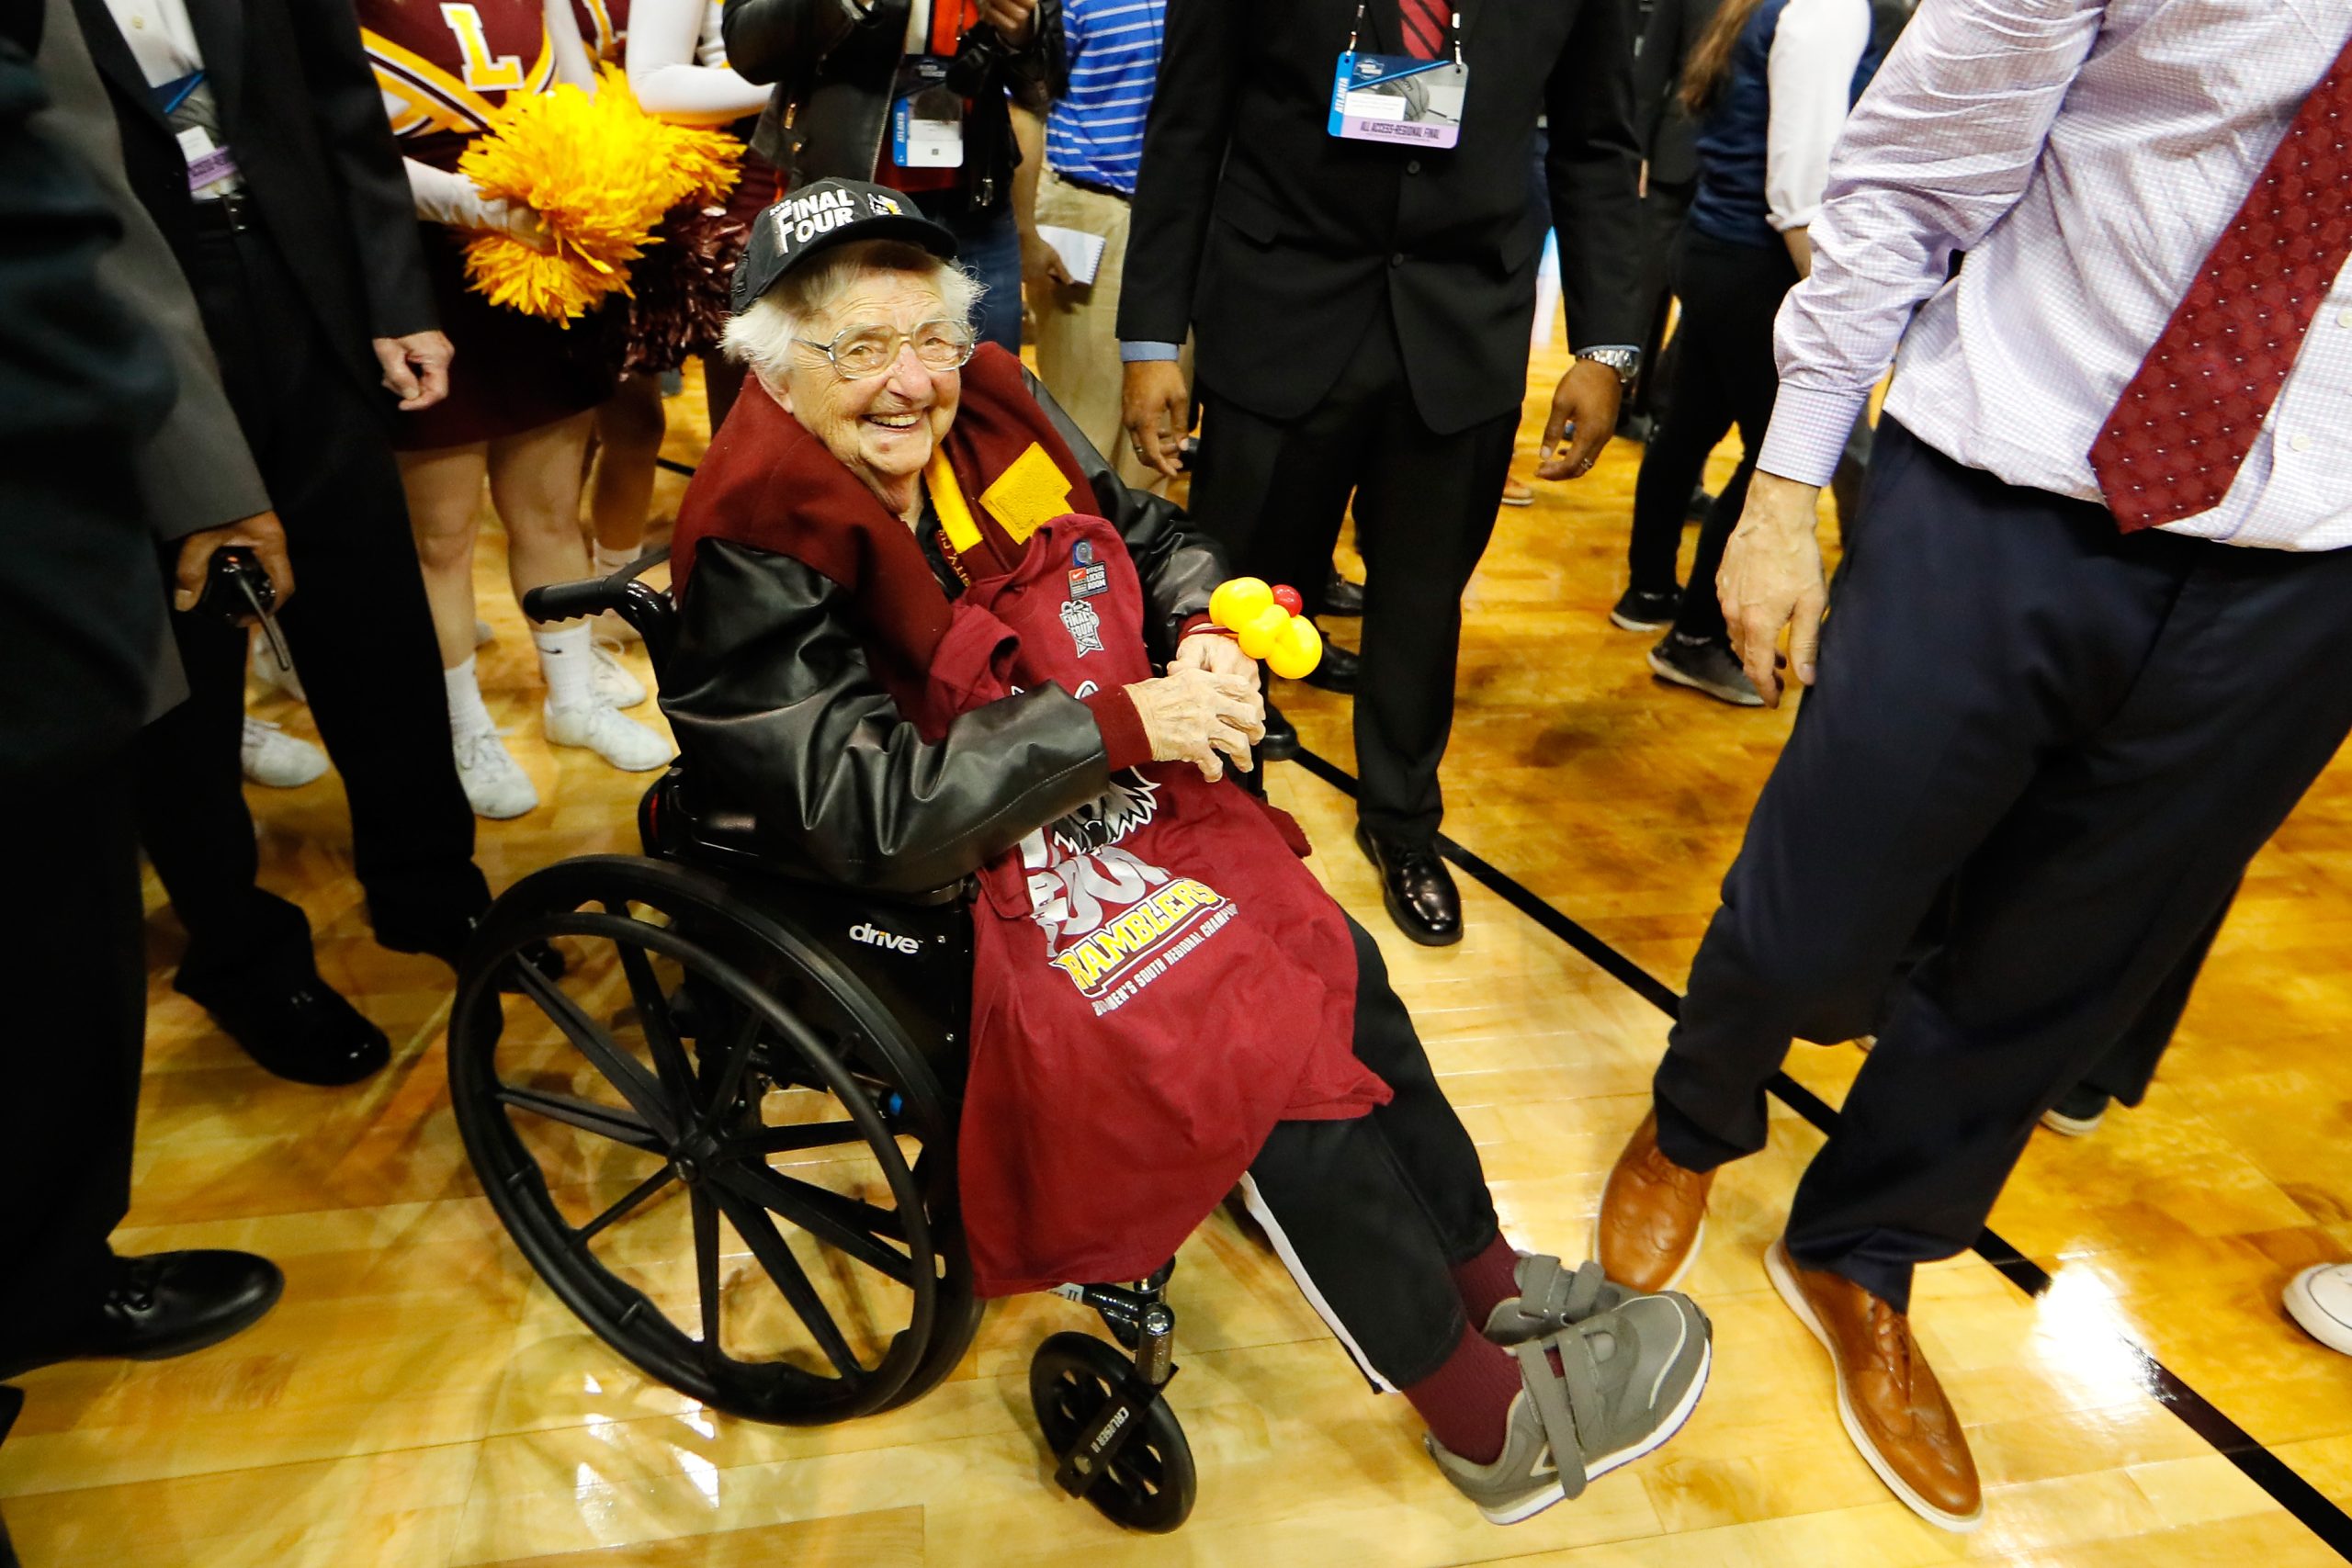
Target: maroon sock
column 1466, row 1402
column 1490, row 1278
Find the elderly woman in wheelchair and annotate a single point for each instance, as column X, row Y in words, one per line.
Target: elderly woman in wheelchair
column 954, row 731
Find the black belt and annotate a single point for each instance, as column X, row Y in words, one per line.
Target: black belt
column 1097, row 186
column 233, row 214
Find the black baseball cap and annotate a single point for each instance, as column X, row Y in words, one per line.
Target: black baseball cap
column 823, row 214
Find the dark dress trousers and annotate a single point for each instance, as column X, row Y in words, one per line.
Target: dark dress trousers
column 291, row 294
column 1361, row 312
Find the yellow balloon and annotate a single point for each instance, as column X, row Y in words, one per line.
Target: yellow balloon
column 1258, row 635
column 1238, row 601
column 1297, row 651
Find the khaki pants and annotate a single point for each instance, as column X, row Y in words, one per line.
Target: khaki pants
column 1078, row 333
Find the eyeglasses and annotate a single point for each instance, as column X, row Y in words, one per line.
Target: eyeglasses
column 862, row 351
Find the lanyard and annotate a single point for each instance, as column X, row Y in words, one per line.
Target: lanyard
column 1453, row 31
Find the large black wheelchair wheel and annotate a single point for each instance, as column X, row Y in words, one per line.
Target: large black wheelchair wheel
column 717, row 1146
column 1152, row 1483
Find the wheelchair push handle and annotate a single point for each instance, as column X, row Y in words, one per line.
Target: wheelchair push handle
column 567, row 600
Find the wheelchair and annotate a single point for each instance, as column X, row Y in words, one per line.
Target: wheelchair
column 730, row 1043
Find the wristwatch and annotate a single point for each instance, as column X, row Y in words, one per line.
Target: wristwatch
column 1624, row 361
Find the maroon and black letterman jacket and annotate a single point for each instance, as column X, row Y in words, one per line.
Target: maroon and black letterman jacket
column 809, row 616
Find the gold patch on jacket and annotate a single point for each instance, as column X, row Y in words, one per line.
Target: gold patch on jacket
column 1032, row 492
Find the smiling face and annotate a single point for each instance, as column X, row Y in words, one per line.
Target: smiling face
column 883, row 427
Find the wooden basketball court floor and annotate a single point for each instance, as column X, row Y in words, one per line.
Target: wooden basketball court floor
column 420, row 1399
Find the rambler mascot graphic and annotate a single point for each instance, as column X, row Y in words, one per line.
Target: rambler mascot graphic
column 1114, row 922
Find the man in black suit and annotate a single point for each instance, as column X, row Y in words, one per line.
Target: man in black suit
column 1670, row 148
column 252, row 132
column 1361, row 313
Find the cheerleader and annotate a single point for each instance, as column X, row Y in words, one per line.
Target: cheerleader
column 522, row 394
column 677, row 69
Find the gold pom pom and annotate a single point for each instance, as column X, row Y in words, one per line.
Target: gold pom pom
column 599, row 171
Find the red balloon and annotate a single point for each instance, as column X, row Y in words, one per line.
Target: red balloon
column 1288, row 597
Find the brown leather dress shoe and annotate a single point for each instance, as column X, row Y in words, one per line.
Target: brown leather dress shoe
column 1887, row 1395
column 1652, row 1214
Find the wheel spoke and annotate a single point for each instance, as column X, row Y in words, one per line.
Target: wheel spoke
column 735, row 1059
column 606, row 1120
column 653, row 1017
column 635, row 1196
column 768, row 1246
column 707, row 1276
column 845, row 1223
column 799, row 1135
column 634, row 1084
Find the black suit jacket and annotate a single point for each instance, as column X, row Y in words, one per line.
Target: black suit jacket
column 300, row 114
column 1670, row 136
column 1274, row 241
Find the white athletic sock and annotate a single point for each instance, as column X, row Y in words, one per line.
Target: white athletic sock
column 611, row 561
column 566, row 659
column 467, row 714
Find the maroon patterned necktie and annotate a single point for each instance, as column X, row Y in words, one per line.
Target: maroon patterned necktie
column 2175, row 439
column 1424, row 26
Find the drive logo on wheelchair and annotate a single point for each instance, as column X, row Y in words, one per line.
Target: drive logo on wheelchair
column 874, row 936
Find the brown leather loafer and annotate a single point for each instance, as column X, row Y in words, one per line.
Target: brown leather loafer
column 1887, row 1395
column 1652, row 1214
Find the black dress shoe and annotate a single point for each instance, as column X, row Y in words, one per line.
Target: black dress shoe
column 306, row 1033
column 1337, row 670
column 447, row 942
column 1415, row 887
column 1341, row 597
column 1281, row 743
column 165, row 1305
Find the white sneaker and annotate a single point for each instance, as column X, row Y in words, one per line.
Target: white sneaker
column 615, row 684
column 272, row 675
column 495, row 785
column 625, row 743
column 2320, row 1298
column 281, row 761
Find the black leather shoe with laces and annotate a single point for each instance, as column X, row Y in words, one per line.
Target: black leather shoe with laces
column 305, row 1033
column 1341, row 597
column 1337, row 670
column 1415, row 887
column 165, row 1305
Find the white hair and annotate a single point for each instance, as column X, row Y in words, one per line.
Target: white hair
column 762, row 336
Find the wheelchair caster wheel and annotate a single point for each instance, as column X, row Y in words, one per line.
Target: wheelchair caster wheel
column 1149, row 1484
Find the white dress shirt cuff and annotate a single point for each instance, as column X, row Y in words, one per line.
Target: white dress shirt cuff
column 1810, row 426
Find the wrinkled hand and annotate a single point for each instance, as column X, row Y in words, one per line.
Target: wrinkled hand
column 1218, row 654
column 1043, row 276
column 1015, row 19
column 1770, row 579
column 1191, row 715
column 1583, row 418
column 261, row 533
column 1157, row 410
column 416, row 369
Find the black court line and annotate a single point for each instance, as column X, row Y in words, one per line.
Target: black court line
column 2225, row 1437
column 674, row 466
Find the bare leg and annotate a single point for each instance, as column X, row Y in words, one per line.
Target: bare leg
column 629, row 435
column 443, row 488
column 534, row 483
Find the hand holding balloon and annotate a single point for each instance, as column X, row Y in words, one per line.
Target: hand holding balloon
column 1268, row 625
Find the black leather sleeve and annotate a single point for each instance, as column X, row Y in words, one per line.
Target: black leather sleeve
column 1179, row 565
column 776, row 713
column 770, row 39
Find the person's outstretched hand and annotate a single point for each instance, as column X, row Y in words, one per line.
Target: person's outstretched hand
column 1771, row 581
column 1583, row 418
column 1157, row 410
column 1191, row 715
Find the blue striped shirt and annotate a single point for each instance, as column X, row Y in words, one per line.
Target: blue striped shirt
column 1095, row 131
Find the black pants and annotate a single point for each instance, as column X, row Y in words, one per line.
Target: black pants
column 1663, row 207
column 1371, row 1214
column 1274, row 493
column 1724, row 376
column 2088, row 735
column 361, row 636
column 74, row 972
